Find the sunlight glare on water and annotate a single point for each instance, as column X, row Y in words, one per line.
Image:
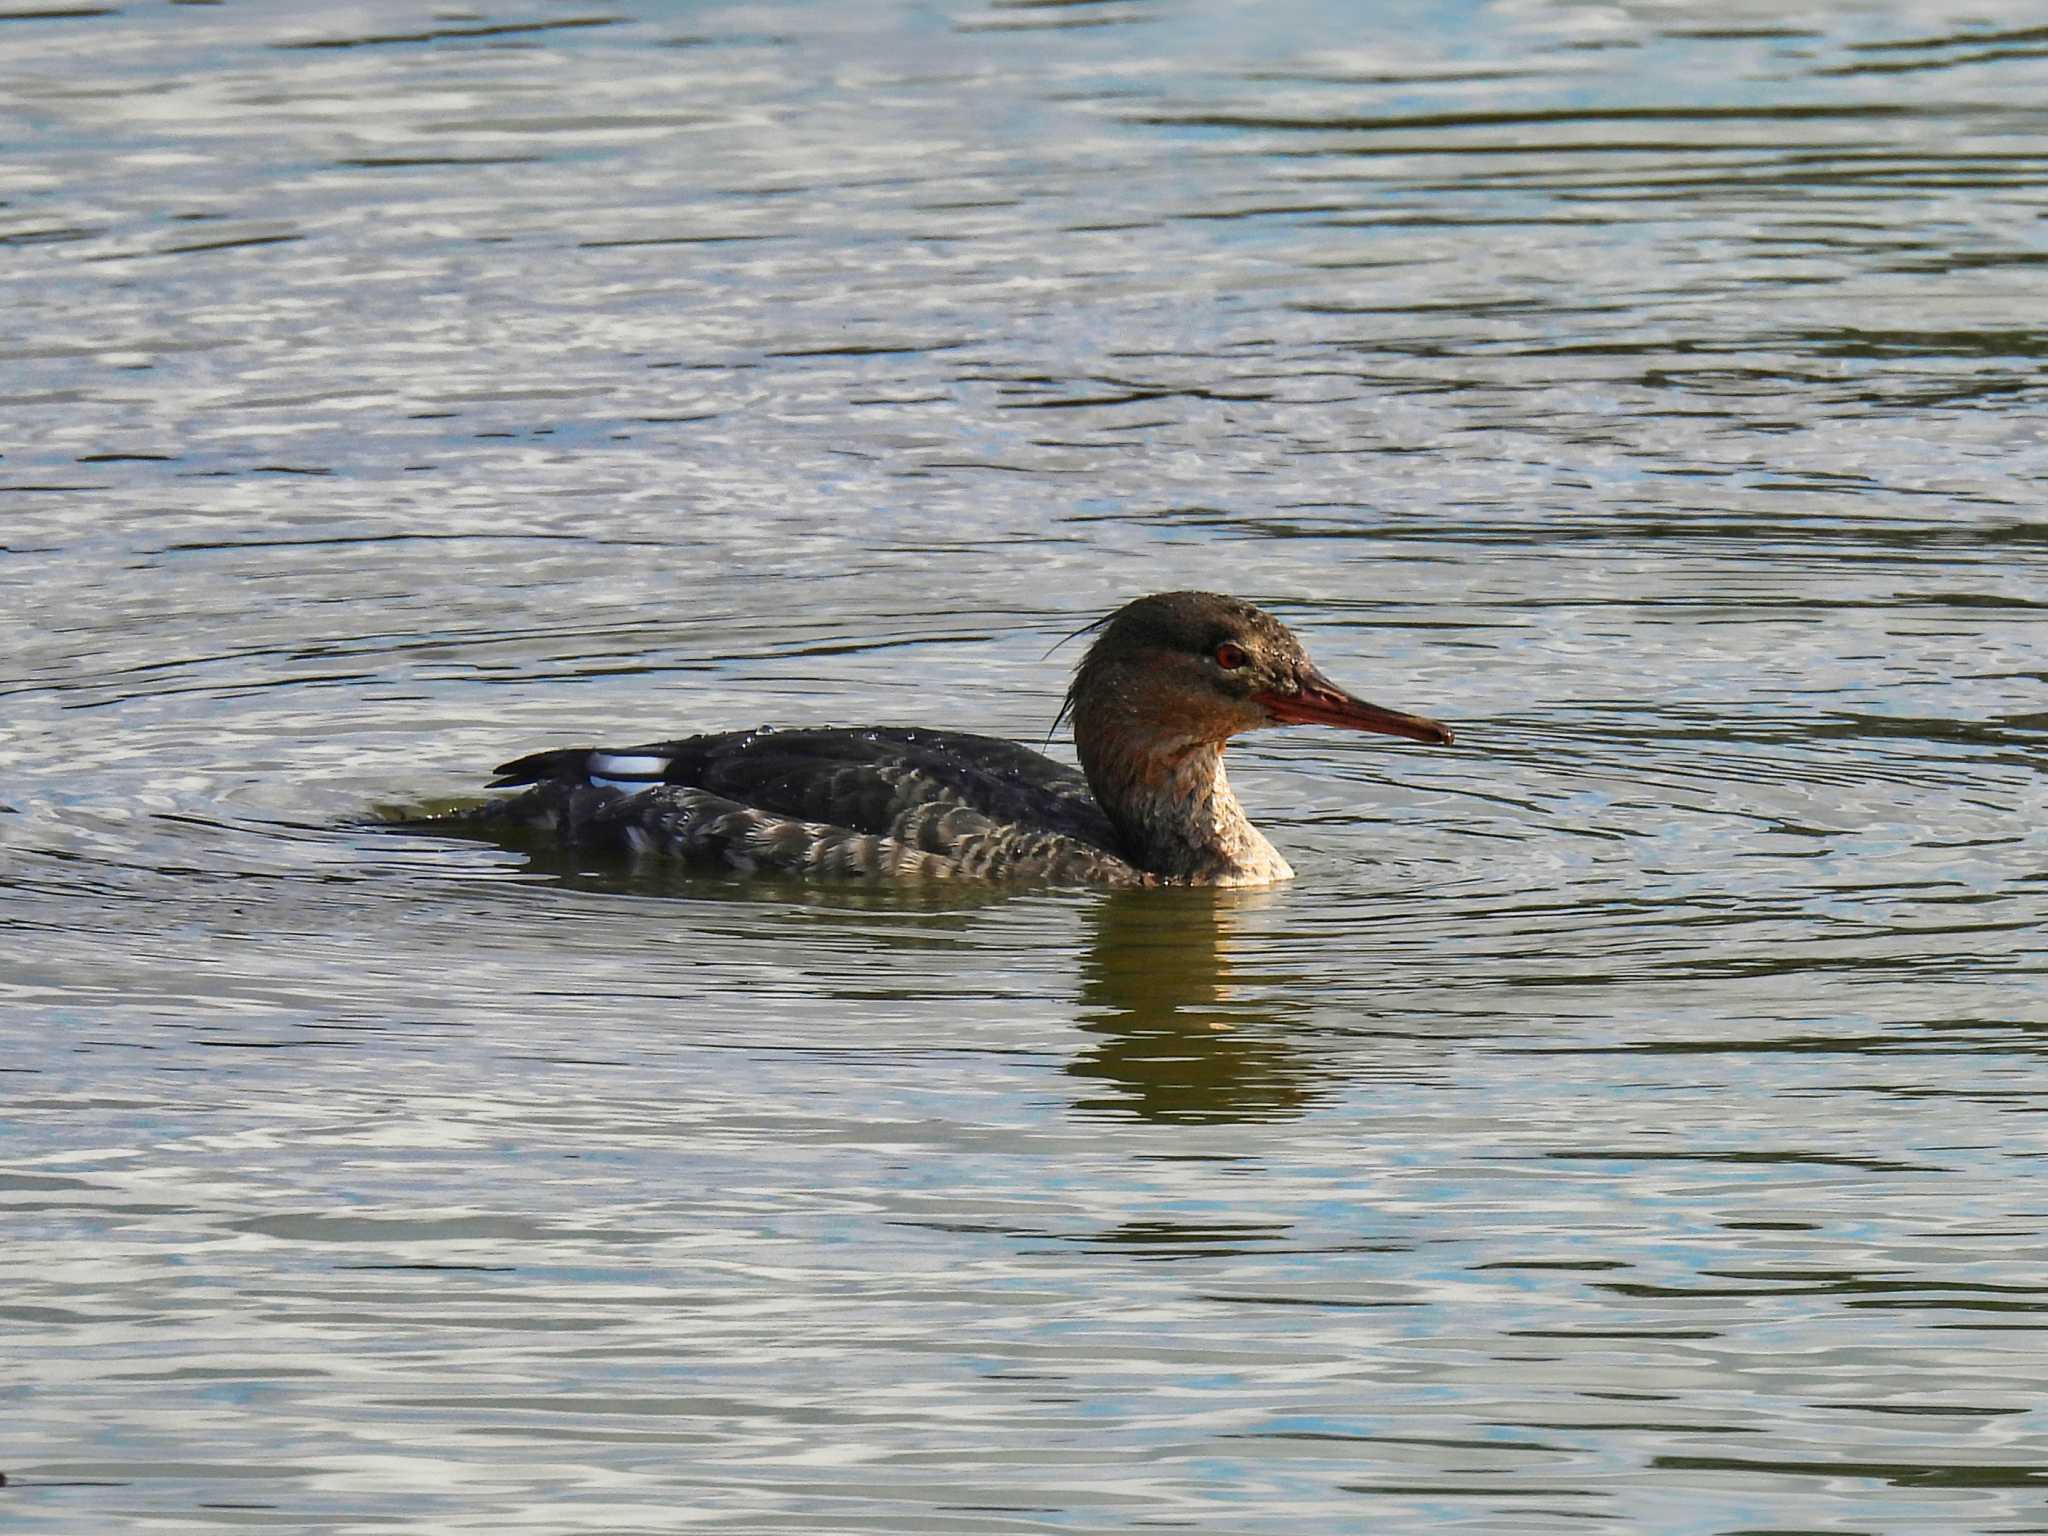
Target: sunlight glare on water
column 1629, row 1115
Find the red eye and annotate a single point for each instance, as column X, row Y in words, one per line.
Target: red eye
column 1230, row 657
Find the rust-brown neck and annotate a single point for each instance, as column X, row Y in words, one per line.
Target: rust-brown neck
column 1164, row 789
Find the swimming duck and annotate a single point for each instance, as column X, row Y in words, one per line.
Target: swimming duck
column 1168, row 680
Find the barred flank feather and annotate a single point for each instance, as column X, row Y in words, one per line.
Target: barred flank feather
column 937, row 836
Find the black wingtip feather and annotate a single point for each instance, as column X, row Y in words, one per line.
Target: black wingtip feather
column 538, row 767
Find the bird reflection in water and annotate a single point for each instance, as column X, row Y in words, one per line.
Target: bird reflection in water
column 1175, row 1038
column 1176, row 1034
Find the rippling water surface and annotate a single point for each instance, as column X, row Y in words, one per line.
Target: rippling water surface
column 1630, row 1120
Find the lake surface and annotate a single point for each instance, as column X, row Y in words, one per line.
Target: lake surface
column 1631, row 1119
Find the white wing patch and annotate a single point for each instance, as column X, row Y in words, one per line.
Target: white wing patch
column 625, row 765
column 631, row 772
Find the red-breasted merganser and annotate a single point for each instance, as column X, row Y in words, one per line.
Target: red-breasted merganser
column 1166, row 684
